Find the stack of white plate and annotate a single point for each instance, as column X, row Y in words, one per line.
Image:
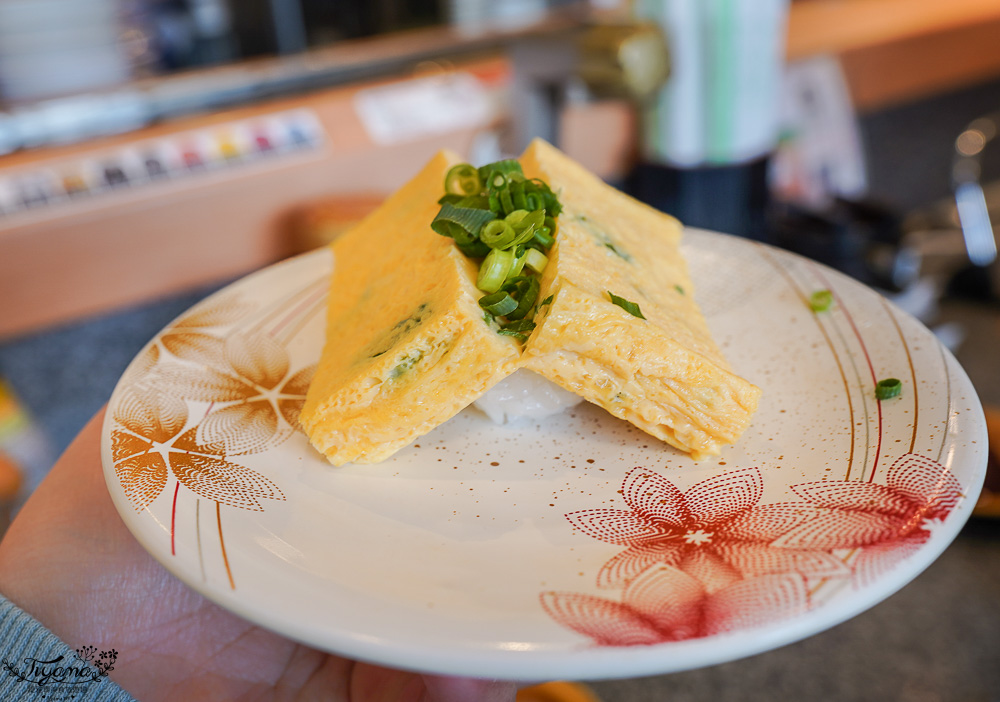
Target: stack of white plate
column 59, row 47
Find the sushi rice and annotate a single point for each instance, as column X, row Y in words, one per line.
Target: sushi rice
column 524, row 395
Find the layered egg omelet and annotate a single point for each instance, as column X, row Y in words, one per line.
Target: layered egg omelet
column 408, row 345
column 661, row 371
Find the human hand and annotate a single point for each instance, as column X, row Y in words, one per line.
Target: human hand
column 69, row 561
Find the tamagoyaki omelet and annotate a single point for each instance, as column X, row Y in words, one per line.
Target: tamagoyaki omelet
column 408, row 345
column 661, row 371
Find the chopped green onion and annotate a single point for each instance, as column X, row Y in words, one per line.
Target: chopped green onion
column 524, row 289
column 520, row 201
column 535, row 260
column 515, row 218
column 524, row 236
column 680, row 290
column 497, row 215
column 497, row 234
column 474, row 249
column 477, row 201
column 493, row 199
column 506, row 200
column 888, row 388
column 627, row 305
column 821, row 300
column 463, row 179
column 498, row 304
column 460, row 223
column 522, row 219
column 521, row 329
column 543, row 236
column 520, row 256
column 525, row 223
column 520, row 325
column 497, row 181
column 505, row 167
column 494, row 270
column 546, row 301
column 552, row 205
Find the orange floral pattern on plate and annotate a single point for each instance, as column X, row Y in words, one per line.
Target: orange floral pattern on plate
column 214, row 386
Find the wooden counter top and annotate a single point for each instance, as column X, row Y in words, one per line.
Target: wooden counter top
column 898, row 50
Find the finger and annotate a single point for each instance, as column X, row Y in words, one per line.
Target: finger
column 451, row 689
column 62, row 518
column 68, row 548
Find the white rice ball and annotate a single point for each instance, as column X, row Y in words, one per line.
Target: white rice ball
column 524, row 394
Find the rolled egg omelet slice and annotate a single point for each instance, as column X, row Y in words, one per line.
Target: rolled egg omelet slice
column 663, row 372
column 407, row 346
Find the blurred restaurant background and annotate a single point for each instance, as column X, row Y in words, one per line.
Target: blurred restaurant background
column 152, row 151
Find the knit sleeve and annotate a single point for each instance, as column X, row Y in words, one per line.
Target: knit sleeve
column 35, row 664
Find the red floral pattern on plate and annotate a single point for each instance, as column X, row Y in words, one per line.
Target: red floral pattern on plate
column 713, row 559
column 665, row 604
column 717, row 531
column 886, row 522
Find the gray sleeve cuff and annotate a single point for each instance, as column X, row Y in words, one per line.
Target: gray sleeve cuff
column 35, row 664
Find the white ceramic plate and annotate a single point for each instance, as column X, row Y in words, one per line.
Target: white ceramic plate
column 578, row 548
